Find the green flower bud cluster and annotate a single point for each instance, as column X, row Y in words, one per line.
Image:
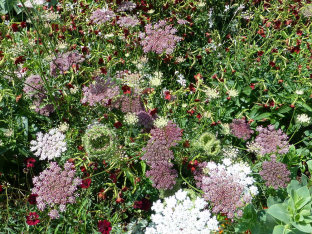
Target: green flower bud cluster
column 100, row 141
column 209, row 143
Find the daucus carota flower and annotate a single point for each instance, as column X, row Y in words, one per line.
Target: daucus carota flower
column 99, row 140
column 158, row 155
column 304, row 119
column 54, row 214
column 275, row 173
column 271, row 141
column 126, row 6
column 228, row 188
column 49, row 145
column 34, row 89
column 100, row 91
column 178, row 213
column 102, row 15
column 212, row 93
column 64, row 62
column 32, row 219
column 127, row 21
column 161, row 122
column 104, row 227
column 55, row 186
column 131, row 118
column 241, row 129
column 32, row 3
column 159, row 38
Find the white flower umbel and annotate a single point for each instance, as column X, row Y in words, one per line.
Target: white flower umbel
column 303, row 119
column 178, row 214
column 131, row 118
column 49, row 146
column 161, row 122
column 239, row 171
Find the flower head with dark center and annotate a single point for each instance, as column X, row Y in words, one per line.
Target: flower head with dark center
column 32, row 218
column 104, row 227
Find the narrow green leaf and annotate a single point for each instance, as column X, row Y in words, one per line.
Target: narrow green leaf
column 263, row 116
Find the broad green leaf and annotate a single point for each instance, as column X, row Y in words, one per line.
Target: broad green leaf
column 284, row 109
column 279, row 211
column 271, row 222
column 242, row 226
column 263, row 116
column 250, row 213
column 294, row 184
column 279, row 229
column 307, row 228
column 273, row 200
column 310, row 166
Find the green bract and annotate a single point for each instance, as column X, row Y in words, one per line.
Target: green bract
column 100, row 141
column 208, row 143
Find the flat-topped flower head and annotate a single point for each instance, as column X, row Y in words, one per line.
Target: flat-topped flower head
column 50, row 145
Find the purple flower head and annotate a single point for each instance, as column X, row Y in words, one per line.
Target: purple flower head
column 271, row 141
column 126, row 6
column 146, row 119
column 55, row 186
column 158, row 153
column 128, row 103
column 101, row 16
column 275, row 173
column 34, row 89
column 159, row 38
column 127, row 21
column 64, row 62
column 241, row 129
column 224, row 193
column 101, row 91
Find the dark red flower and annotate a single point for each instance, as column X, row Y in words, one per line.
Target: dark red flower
column 86, row 183
column 144, row 204
column 272, row 64
column 104, row 227
column 32, row 218
column 167, row 95
column 0, row 188
column 260, row 53
column 29, row 162
column 126, row 89
column 192, row 88
column 186, row 144
column 14, row 27
column 23, row 24
column 153, row 112
column 252, row 85
column 118, row 124
column 192, row 165
column 32, row 199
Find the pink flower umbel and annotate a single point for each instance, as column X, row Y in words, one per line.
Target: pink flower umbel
column 104, row 227
column 32, row 219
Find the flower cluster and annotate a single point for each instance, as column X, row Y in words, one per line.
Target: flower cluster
column 34, row 89
column 55, row 186
column 303, row 119
column 127, row 21
column 64, row 62
column 158, row 154
column 50, row 145
column 128, row 103
column 178, row 213
column 101, row 16
column 159, row 38
column 32, row 3
column 100, row 91
column 145, row 119
column 100, row 141
column 271, row 141
column 275, row 173
column 228, row 187
column 131, row 118
column 126, row 6
column 241, row 129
